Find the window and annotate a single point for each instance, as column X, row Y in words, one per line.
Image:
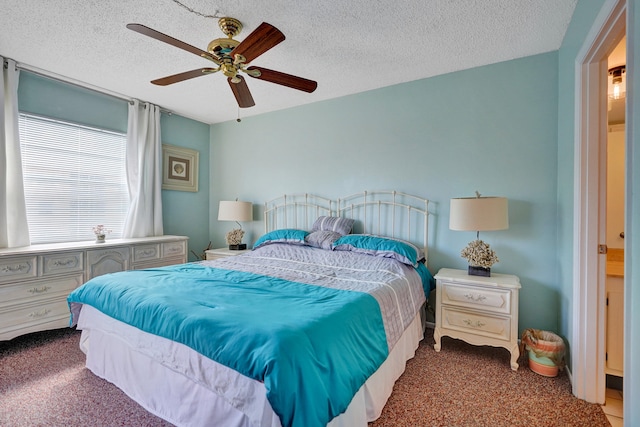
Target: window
column 74, row 179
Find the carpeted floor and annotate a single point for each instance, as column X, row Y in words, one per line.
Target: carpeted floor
column 43, row 382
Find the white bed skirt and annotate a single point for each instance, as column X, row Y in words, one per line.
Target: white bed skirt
column 185, row 388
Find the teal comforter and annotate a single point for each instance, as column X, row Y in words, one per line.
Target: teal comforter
column 312, row 358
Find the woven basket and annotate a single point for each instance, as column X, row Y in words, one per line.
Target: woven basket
column 545, row 348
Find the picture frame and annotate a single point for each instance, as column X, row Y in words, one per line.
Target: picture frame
column 179, row 168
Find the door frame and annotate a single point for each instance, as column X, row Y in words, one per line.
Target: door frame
column 588, row 340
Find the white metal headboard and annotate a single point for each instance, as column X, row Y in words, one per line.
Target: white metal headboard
column 387, row 213
column 295, row 211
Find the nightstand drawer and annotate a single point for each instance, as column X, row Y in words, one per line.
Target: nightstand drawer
column 486, row 299
column 476, row 323
column 213, row 254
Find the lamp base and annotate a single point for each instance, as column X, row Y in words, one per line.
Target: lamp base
column 240, row 247
column 479, row 271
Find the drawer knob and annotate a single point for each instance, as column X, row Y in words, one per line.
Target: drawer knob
column 39, row 290
column 64, row 263
column 474, row 323
column 40, row 313
column 475, row 297
column 15, row 268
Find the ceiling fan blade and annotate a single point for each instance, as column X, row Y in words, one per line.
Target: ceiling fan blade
column 175, row 78
column 258, row 42
column 139, row 28
column 241, row 92
column 284, row 79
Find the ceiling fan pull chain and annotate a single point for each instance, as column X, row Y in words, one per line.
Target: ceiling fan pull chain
column 216, row 15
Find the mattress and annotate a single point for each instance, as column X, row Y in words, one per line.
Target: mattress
column 202, row 388
column 187, row 389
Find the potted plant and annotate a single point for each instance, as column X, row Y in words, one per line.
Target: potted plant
column 101, row 233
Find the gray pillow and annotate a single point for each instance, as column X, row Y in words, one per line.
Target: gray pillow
column 322, row 239
column 333, row 223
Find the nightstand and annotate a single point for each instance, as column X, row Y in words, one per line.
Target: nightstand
column 478, row 310
column 212, row 254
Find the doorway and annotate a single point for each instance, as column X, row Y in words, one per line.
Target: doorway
column 588, row 354
column 614, row 234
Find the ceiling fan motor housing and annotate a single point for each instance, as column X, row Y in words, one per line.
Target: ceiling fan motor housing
column 230, row 26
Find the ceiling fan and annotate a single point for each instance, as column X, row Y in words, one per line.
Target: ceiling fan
column 232, row 57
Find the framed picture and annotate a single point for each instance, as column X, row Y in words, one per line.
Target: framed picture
column 179, row 168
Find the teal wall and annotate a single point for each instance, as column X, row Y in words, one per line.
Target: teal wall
column 184, row 213
column 491, row 129
column 581, row 22
column 51, row 98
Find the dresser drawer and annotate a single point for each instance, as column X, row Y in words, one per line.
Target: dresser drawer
column 31, row 291
column 174, row 249
column 18, row 268
column 476, row 323
column 61, row 263
column 481, row 298
column 26, row 316
column 146, row 252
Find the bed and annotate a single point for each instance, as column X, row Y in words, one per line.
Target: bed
column 310, row 328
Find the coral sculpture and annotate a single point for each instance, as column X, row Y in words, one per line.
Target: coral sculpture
column 479, row 254
column 234, row 237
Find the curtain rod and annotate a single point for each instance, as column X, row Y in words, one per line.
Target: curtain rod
column 69, row 80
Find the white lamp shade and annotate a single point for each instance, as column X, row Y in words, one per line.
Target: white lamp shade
column 479, row 214
column 235, row 211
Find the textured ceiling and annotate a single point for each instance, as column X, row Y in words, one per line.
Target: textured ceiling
column 347, row 47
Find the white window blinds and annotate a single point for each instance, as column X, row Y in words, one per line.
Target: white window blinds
column 74, row 179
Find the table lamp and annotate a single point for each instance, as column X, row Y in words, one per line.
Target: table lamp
column 479, row 214
column 239, row 212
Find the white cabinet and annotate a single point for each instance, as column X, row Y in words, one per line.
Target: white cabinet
column 36, row 280
column 614, row 319
column 478, row 310
column 108, row 260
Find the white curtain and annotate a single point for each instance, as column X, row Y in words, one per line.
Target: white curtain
column 14, row 231
column 144, row 171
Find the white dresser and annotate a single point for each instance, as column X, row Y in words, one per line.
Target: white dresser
column 36, row 280
column 478, row 310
